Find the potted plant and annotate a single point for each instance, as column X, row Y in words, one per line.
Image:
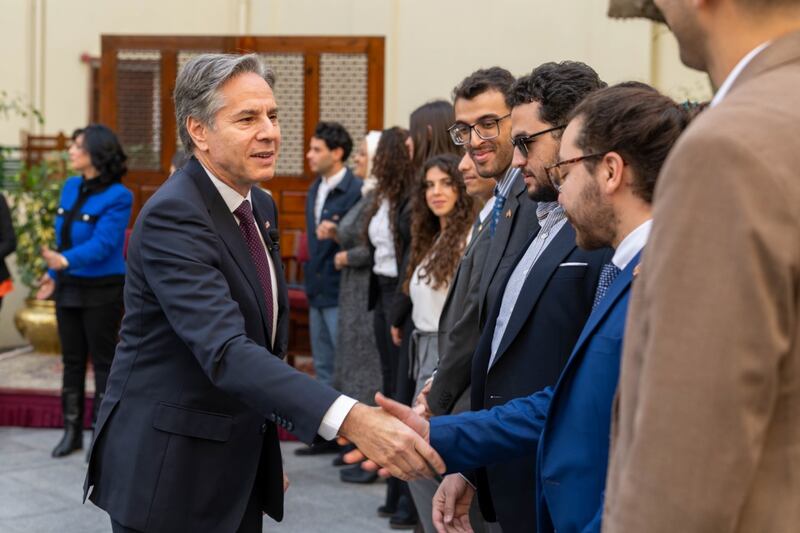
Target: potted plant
column 33, row 193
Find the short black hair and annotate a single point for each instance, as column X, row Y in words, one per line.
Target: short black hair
column 557, row 87
column 105, row 152
column 483, row 80
column 335, row 136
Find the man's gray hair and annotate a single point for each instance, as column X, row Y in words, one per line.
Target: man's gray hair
column 197, row 89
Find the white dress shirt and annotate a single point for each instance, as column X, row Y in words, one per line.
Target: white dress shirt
column 332, row 421
column 427, row 302
column 380, row 235
column 631, row 245
column 326, row 185
column 737, row 70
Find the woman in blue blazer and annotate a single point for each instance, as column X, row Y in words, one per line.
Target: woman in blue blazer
column 87, row 270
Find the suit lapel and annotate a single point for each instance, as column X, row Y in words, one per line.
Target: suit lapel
column 615, row 291
column 563, row 244
column 502, row 234
column 227, row 228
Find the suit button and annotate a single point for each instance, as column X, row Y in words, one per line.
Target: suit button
column 289, row 427
column 263, row 428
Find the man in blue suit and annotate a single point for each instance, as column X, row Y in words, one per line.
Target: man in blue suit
column 606, row 173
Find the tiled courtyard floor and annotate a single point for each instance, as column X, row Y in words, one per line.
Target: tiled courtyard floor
column 39, row 494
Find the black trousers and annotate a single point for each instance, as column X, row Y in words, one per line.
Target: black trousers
column 84, row 331
column 389, row 353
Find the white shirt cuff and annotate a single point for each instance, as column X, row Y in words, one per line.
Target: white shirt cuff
column 334, row 417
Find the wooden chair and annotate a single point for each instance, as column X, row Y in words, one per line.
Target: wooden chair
column 299, row 340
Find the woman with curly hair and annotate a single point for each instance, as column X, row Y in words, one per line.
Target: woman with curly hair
column 87, row 270
column 441, row 220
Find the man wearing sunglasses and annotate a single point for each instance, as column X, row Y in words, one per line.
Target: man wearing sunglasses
column 606, row 172
column 546, row 294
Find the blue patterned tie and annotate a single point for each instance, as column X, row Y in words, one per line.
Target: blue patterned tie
column 607, row 276
column 497, row 208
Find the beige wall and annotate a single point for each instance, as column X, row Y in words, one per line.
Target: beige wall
column 430, row 46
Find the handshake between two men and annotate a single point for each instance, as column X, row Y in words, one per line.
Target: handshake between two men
column 412, row 456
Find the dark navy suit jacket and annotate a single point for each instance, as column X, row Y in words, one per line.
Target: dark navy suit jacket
column 186, row 431
column 321, row 276
column 568, row 424
column 552, row 307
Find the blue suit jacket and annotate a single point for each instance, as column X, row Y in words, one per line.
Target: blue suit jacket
column 321, row 277
column 570, row 424
column 547, row 319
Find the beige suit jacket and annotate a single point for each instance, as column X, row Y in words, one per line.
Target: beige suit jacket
column 706, row 426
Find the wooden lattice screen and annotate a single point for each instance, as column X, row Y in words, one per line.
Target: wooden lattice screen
column 318, row 78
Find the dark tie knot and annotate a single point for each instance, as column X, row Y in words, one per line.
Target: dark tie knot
column 244, row 212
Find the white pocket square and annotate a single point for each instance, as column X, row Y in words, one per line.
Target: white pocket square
column 573, row 265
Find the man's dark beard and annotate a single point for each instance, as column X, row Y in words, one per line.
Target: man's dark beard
column 544, row 194
column 593, row 220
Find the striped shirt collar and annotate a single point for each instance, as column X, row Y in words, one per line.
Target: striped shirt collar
column 505, row 184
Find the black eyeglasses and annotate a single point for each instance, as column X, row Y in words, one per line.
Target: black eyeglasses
column 486, row 128
column 521, row 143
column 557, row 174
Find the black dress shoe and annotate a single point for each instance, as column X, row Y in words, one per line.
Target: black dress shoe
column 356, row 474
column 406, row 515
column 319, row 448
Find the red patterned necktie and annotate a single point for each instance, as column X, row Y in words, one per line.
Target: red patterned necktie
column 247, row 225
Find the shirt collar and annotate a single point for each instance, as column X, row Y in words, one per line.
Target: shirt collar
column 631, row 245
column 231, row 198
column 734, row 74
column 334, row 180
column 544, row 209
column 487, row 209
column 505, row 184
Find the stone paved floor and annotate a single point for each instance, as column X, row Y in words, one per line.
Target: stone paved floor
column 39, row 494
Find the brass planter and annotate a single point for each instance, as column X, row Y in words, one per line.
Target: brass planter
column 37, row 323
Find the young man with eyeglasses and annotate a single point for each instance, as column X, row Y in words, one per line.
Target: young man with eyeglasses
column 606, row 172
column 545, row 296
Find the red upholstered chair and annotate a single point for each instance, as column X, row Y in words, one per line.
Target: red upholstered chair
column 125, row 246
column 299, row 343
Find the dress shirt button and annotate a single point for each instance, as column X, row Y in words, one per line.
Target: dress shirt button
column 544, row 235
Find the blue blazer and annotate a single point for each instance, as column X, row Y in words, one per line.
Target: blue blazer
column 98, row 229
column 321, row 277
column 569, row 424
column 547, row 319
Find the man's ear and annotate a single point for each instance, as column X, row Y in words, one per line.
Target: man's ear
column 612, row 172
column 198, row 132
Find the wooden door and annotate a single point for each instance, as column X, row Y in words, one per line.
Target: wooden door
column 318, row 78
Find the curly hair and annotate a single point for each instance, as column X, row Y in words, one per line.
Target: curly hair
column 105, row 152
column 439, row 251
column 394, row 170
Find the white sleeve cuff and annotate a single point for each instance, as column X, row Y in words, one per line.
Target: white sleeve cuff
column 334, row 417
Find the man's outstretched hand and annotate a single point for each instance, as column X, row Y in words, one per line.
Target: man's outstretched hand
column 393, row 437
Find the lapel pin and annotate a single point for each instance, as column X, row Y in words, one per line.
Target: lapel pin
column 266, row 224
column 508, row 213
